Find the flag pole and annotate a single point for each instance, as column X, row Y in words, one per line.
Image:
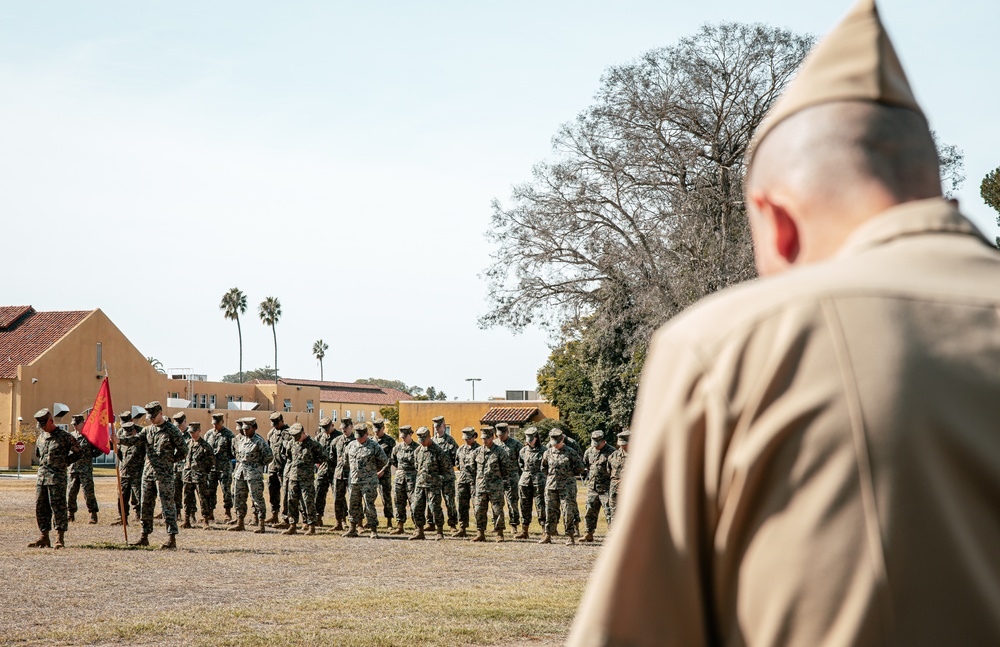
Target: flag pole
column 118, row 474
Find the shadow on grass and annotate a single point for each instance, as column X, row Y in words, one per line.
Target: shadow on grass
column 110, row 545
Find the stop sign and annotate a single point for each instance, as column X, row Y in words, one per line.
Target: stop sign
column 19, row 446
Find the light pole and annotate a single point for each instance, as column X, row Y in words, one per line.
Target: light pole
column 473, row 380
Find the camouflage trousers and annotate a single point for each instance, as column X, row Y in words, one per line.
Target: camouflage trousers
column 427, row 499
column 562, row 501
column 612, row 502
column 131, row 493
column 447, row 489
column 274, row 490
column 84, row 480
column 340, row 498
column 153, row 485
column 385, row 491
column 50, row 501
column 178, row 491
column 493, row 497
column 301, row 493
column 595, row 501
column 511, row 495
column 221, row 477
column 190, row 509
column 365, row 493
column 286, row 498
column 532, row 494
column 324, row 482
column 404, row 489
column 253, row 487
column 463, row 493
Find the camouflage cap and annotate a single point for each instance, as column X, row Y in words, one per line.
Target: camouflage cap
column 128, row 425
column 153, row 407
column 488, row 432
column 556, row 434
column 437, row 419
column 531, row 431
column 295, row 429
column 194, row 424
column 325, row 422
column 501, row 426
column 180, row 416
column 405, row 430
column 468, row 432
column 347, row 422
column 250, row 421
column 423, row 432
column 125, row 416
column 379, row 423
column 361, row 429
column 218, row 416
column 78, row 418
column 42, row 414
column 597, row 435
column 276, row 416
column 623, row 437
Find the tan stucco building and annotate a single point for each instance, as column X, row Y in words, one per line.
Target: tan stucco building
column 458, row 415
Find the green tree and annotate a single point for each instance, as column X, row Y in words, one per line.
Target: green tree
column 319, row 352
column 234, row 304
column 269, row 311
column 429, row 394
column 266, row 373
column 390, row 413
column 390, row 384
column 989, row 189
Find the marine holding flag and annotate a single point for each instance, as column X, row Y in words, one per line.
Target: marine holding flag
column 97, row 428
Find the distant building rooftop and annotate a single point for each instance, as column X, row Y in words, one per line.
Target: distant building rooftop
column 26, row 333
column 347, row 392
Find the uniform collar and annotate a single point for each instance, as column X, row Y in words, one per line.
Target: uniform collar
column 935, row 215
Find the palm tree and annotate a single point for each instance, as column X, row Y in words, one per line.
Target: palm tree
column 319, row 352
column 270, row 311
column 155, row 363
column 234, row 304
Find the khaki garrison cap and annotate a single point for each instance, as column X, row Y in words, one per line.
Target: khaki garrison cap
column 423, row 432
column 153, row 407
column 855, row 62
column 276, row 416
column 405, row 430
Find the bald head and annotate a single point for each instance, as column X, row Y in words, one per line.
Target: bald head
column 827, row 170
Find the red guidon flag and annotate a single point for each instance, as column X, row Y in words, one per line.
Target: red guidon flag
column 97, row 429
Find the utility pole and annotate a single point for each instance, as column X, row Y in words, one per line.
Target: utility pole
column 473, row 380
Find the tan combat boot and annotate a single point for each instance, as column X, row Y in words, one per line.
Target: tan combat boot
column 143, row 540
column 460, row 532
column 229, row 514
column 523, row 534
column 439, row 536
column 93, row 519
column 170, row 543
column 417, row 535
column 273, row 519
column 187, row 522
column 282, row 525
column 310, row 529
column 339, row 526
column 260, row 527
column 588, row 538
column 398, row 530
column 374, row 534
column 319, row 522
column 292, row 529
column 352, row 531
column 205, row 525
column 238, row 526
column 571, row 539
column 546, row 539
column 480, row 536
column 42, row 541
column 60, row 539
column 500, row 535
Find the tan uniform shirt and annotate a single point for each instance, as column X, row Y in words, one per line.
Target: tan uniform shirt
column 816, row 456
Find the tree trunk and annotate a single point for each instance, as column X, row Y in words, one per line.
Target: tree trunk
column 275, row 335
column 320, row 369
column 239, row 330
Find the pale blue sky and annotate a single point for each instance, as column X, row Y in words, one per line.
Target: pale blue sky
column 342, row 157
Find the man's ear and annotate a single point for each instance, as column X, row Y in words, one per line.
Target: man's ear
column 777, row 238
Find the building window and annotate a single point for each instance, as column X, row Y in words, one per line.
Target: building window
column 174, row 395
column 100, row 357
column 309, row 406
column 333, row 415
column 194, row 400
column 211, row 401
column 320, row 413
column 288, row 405
column 361, row 416
column 204, row 401
column 347, row 414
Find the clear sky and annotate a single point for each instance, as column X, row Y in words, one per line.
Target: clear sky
column 342, row 157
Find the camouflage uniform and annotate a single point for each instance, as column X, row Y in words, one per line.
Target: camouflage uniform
column 598, row 484
column 222, row 445
column 560, row 467
column 179, row 473
column 510, row 486
column 164, row 447
column 341, row 476
column 276, row 470
column 55, row 452
column 366, row 459
column 531, row 486
column 450, row 448
column 303, row 456
column 466, row 484
column 324, row 475
column 491, row 474
column 196, row 476
column 132, row 458
column 81, row 475
column 616, row 462
column 432, row 464
column 403, row 458
column 252, row 454
column 386, row 442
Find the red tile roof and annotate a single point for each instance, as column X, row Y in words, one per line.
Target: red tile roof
column 25, row 334
column 510, row 415
column 348, row 392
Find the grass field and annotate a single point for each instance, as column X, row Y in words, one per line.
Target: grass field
column 242, row 589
